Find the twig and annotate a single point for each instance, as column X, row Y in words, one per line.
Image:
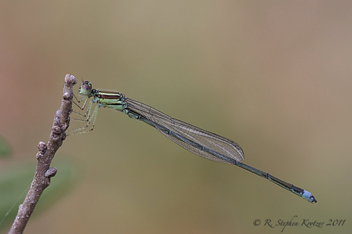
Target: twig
column 44, row 156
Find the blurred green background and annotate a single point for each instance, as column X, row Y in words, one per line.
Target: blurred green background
column 273, row 76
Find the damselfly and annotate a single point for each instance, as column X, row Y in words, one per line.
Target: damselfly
column 194, row 139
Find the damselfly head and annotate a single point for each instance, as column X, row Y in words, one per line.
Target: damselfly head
column 85, row 89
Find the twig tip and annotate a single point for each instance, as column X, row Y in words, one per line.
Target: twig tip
column 70, row 79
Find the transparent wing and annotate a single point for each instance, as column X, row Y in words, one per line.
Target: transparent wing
column 201, row 142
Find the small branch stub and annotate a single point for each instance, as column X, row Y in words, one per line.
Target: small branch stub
column 51, row 172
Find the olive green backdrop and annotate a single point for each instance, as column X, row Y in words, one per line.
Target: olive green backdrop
column 273, row 76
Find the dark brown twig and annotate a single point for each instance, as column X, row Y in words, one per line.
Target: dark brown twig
column 44, row 156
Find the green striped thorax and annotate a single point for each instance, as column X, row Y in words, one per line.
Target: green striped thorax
column 110, row 99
